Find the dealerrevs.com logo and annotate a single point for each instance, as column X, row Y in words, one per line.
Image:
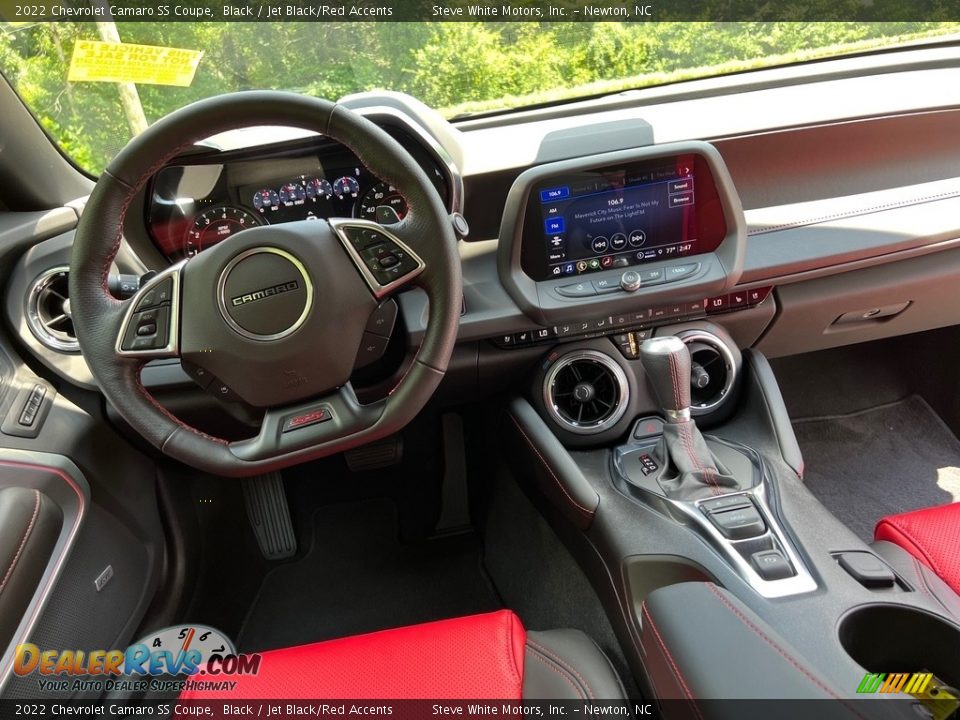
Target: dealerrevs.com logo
column 178, row 651
column 264, row 293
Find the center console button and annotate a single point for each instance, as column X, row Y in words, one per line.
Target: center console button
column 678, row 272
column 652, row 276
column 631, row 281
column 583, row 289
column 867, row 569
column 606, row 285
column 726, row 502
column 771, row 565
column 740, row 523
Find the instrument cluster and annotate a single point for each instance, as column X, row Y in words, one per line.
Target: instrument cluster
column 194, row 206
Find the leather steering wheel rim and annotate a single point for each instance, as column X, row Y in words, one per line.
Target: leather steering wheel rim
column 98, row 316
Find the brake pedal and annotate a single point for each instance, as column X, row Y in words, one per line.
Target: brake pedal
column 269, row 515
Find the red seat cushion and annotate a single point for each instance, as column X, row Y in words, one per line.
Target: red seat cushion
column 931, row 535
column 476, row 657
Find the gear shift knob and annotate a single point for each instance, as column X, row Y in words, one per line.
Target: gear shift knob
column 666, row 361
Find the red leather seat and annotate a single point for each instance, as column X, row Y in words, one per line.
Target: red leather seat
column 487, row 656
column 924, row 547
column 931, row 535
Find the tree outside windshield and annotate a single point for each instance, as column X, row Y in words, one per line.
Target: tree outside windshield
column 457, row 67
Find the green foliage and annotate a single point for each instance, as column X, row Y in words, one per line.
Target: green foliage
column 453, row 66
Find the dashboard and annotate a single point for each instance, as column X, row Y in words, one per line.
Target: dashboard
column 791, row 234
column 204, row 199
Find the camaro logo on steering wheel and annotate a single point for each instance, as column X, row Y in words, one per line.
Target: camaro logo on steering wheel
column 264, row 293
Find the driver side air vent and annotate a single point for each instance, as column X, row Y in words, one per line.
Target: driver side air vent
column 586, row 392
column 48, row 311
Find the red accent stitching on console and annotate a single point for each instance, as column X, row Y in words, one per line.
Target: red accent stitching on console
column 559, row 661
column 23, row 540
column 673, row 665
column 783, row 653
column 559, row 671
column 533, row 447
column 853, row 213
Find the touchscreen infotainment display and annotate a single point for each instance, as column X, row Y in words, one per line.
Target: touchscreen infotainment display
column 619, row 216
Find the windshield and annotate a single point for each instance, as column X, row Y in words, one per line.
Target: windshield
column 93, row 101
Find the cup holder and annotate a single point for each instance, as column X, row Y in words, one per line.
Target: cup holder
column 894, row 638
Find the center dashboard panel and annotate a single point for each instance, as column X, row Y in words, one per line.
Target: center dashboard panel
column 606, row 234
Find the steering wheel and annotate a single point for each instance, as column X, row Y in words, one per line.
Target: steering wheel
column 275, row 314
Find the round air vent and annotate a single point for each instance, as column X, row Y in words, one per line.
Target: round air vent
column 712, row 370
column 48, row 311
column 586, row 392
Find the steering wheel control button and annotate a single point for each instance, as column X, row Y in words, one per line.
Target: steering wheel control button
column 371, row 349
column 201, row 376
column 222, row 391
column 148, row 330
column 265, row 294
column 383, row 319
column 305, row 419
column 383, row 260
column 631, row 281
column 771, row 565
column 159, row 294
column 577, row 290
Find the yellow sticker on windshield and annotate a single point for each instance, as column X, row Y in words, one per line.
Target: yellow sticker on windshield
column 95, row 61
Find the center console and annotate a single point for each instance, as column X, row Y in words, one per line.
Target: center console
column 663, row 453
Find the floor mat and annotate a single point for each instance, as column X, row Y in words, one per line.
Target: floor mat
column 888, row 459
column 358, row 578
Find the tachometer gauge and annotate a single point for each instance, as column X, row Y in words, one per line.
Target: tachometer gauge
column 266, row 199
column 346, row 187
column 382, row 203
column 216, row 224
column 318, row 189
column 292, row 194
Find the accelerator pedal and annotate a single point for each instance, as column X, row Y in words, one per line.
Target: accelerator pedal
column 270, row 515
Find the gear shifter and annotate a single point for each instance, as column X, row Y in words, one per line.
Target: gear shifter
column 666, row 362
column 691, row 470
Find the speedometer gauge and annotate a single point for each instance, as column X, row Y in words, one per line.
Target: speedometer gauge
column 215, row 225
column 382, row 203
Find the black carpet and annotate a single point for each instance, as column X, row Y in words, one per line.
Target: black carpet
column 888, row 459
column 357, row 578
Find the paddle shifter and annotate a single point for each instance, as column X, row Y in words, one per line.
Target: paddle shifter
column 691, row 470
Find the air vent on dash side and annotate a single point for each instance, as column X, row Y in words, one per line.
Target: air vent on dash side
column 586, row 392
column 48, row 311
column 713, row 370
